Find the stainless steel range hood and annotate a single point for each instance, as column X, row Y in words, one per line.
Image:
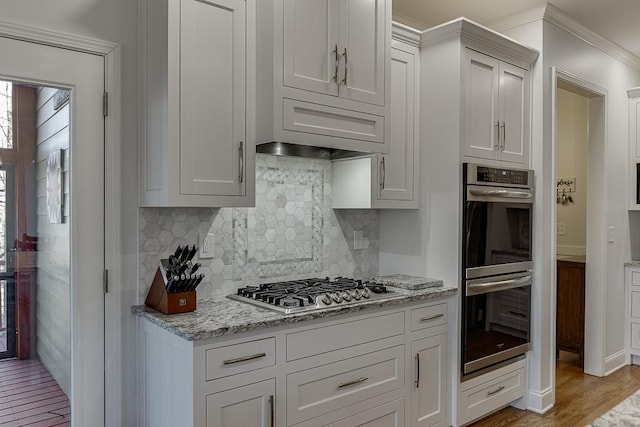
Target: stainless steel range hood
column 296, row 150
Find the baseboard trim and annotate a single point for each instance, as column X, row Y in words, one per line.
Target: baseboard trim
column 571, row 250
column 615, row 362
column 540, row 401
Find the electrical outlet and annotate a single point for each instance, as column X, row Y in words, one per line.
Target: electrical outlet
column 561, row 229
column 206, row 246
column 611, row 234
column 358, row 240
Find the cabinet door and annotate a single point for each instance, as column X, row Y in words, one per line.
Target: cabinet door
column 429, row 396
column 248, row 406
column 481, row 105
column 396, row 178
column 311, row 45
column 363, row 46
column 212, row 97
column 514, row 112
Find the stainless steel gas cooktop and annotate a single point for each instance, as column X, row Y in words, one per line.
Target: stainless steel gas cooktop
column 312, row 294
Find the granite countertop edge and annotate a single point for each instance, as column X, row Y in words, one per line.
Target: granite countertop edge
column 220, row 316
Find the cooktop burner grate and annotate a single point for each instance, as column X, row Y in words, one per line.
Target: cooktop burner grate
column 310, row 294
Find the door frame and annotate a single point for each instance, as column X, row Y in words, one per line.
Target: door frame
column 596, row 251
column 113, row 299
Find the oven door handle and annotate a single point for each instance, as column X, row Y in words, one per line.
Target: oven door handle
column 506, row 194
column 478, row 288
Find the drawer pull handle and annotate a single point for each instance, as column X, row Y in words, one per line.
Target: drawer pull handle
column 515, row 313
column 354, row 382
column 418, row 370
column 434, row 317
column 496, row 391
column 244, row 359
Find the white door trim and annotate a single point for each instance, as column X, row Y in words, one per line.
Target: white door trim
column 113, row 224
column 595, row 297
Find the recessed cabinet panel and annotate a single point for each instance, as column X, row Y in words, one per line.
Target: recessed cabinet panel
column 212, row 103
column 396, row 180
column 481, row 105
column 513, row 97
column 429, row 381
column 362, row 41
column 310, row 43
column 243, row 406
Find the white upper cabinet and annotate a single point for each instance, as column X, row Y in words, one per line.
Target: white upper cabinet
column 389, row 180
column 324, row 73
column 496, row 105
column 198, row 148
column 634, row 148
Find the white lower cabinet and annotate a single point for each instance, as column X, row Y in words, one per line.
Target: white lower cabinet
column 429, row 381
column 632, row 291
column 483, row 395
column 248, row 406
column 346, row 371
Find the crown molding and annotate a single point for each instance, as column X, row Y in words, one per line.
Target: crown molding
column 557, row 17
column 410, row 21
column 471, row 32
column 634, row 92
column 405, row 33
column 56, row 39
column 517, row 19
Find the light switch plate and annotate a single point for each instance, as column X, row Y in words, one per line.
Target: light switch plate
column 611, row 234
column 561, row 229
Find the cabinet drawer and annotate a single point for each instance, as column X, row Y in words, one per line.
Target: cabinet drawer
column 635, row 278
column 319, row 119
column 426, row 317
column 491, row 395
column 635, row 336
column 635, row 301
column 323, row 389
column 387, row 415
column 321, row 340
column 234, row 359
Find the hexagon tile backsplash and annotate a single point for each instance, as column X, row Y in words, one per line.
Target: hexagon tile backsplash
column 291, row 233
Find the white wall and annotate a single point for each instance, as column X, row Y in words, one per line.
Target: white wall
column 572, row 127
column 575, row 56
column 53, row 277
column 115, row 21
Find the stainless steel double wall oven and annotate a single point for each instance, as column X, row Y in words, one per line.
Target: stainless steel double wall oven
column 497, row 265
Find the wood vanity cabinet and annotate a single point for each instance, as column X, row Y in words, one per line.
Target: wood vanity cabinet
column 570, row 307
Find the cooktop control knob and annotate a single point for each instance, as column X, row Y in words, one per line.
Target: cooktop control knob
column 346, row 296
column 326, row 299
column 337, row 298
column 365, row 293
column 356, row 294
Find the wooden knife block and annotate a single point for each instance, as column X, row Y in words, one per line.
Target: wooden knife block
column 159, row 299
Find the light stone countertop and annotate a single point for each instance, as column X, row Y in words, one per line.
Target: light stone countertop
column 220, row 316
column 632, row 263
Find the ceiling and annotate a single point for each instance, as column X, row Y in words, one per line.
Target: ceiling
column 615, row 20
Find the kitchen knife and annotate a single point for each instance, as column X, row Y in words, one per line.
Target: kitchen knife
column 195, row 267
column 178, row 251
column 192, row 252
column 185, row 253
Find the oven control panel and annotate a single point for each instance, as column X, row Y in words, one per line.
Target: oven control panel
column 478, row 174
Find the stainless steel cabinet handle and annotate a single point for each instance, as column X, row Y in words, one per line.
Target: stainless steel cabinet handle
column 503, row 127
column 336, row 65
column 496, row 146
column 354, row 382
column 272, row 405
column 418, row 370
column 435, row 316
column 498, row 285
column 241, row 161
column 346, row 67
column 383, row 172
column 244, row 359
column 496, row 391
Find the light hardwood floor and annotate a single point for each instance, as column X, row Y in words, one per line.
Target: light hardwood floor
column 580, row 398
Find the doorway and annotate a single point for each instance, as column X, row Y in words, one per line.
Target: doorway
column 580, row 218
column 52, row 234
